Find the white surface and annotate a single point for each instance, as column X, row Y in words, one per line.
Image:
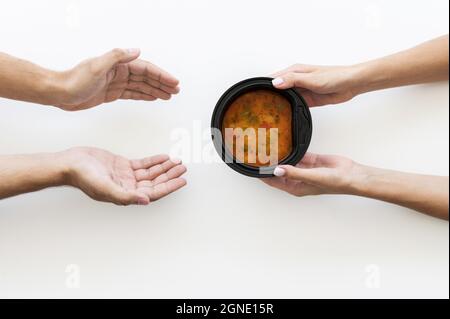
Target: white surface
column 225, row 235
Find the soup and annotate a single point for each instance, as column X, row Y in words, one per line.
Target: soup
column 257, row 128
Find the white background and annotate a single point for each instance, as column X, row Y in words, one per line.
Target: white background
column 225, row 235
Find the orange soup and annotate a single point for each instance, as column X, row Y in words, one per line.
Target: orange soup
column 256, row 110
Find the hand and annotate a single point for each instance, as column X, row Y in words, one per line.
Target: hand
column 319, row 85
column 329, row 174
column 316, row 174
column 115, row 75
column 106, row 177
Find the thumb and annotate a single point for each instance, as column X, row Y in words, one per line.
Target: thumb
column 292, row 79
column 307, row 175
column 120, row 196
column 115, row 56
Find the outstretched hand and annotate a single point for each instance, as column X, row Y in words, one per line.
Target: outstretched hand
column 117, row 74
column 107, row 177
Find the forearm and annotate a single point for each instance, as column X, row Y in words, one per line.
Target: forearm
column 25, row 81
column 423, row 193
column 427, row 62
column 28, row 173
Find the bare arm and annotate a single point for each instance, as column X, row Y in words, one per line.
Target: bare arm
column 328, row 174
column 28, row 173
column 427, row 62
column 117, row 74
column 25, row 81
column 324, row 174
column 322, row 85
column 423, row 193
column 100, row 174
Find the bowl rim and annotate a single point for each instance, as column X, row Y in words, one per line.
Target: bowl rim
column 301, row 125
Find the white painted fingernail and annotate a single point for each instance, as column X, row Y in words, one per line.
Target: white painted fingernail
column 278, row 171
column 277, row 81
column 133, row 50
column 175, row 160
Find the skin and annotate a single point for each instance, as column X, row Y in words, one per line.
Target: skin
column 101, row 175
column 327, row 174
column 117, row 74
column 324, row 85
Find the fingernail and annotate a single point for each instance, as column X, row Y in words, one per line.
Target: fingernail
column 133, row 50
column 277, row 81
column 175, row 160
column 278, row 171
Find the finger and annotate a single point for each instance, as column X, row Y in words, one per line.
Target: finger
column 126, row 198
column 282, row 72
column 119, row 74
column 306, row 175
column 172, row 173
column 276, row 182
column 148, row 89
column 164, row 189
column 156, row 84
column 309, row 97
column 292, row 79
column 314, row 99
column 149, row 161
column 151, row 71
column 308, row 161
column 300, row 68
column 292, row 187
column 106, row 61
column 133, row 95
column 155, row 170
column 119, row 196
column 311, row 160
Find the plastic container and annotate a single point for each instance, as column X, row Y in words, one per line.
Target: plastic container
column 301, row 128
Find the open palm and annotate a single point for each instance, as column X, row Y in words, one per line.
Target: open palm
column 115, row 75
column 108, row 177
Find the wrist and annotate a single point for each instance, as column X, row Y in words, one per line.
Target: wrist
column 66, row 167
column 57, row 167
column 369, row 76
column 374, row 182
column 359, row 180
column 54, row 86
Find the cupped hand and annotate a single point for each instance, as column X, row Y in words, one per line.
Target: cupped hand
column 319, row 85
column 117, row 74
column 317, row 174
column 107, row 177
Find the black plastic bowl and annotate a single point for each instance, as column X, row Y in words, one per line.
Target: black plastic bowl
column 301, row 126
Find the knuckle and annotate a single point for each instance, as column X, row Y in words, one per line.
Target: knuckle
column 290, row 173
column 289, row 78
column 116, row 52
column 94, row 67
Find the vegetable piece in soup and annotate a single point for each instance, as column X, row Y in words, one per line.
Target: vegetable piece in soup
column 257, row 128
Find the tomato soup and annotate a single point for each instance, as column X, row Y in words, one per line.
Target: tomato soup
column 256, row 110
